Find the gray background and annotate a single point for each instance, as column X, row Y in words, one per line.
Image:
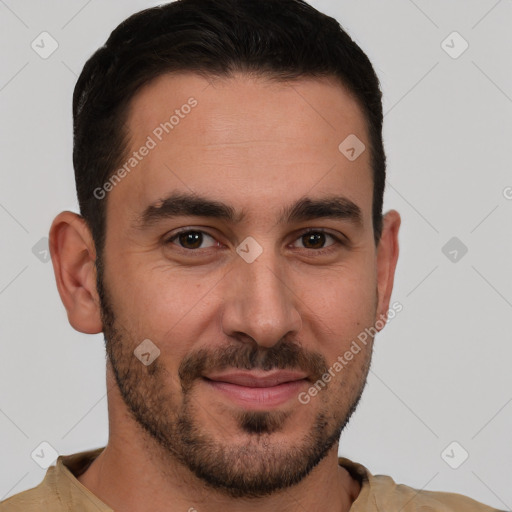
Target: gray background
column 441, row 369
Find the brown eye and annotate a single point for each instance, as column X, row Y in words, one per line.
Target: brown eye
column 191, row 239
column 317, row 239
column 314, row 240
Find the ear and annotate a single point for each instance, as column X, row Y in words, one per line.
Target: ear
column 74, row 264
column 387, row 257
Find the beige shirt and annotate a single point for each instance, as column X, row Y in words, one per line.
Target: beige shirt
column 60, row 491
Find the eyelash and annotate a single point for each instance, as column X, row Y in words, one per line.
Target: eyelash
column 338, row 242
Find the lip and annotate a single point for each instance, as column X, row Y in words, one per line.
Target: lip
column 257, row 389
column 257, row 379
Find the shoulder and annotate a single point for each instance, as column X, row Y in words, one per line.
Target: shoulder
column 41, row 497
column 408, row 499
column 60, row 491
column 381, row 492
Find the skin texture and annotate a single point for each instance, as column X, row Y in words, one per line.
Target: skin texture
column 258, row 146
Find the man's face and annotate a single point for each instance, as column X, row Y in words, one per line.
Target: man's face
column 210, row 306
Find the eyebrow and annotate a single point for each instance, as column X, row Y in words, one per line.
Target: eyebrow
column 304, row 209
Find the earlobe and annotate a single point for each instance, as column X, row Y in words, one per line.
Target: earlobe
column 73, row 257
column 387, row 257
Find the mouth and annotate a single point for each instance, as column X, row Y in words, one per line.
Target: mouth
column 257, row 389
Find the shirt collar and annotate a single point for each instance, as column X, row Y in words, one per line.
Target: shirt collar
column 69, row 467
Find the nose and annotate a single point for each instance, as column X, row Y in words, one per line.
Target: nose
column 259, row 302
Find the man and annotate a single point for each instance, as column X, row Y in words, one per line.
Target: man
column 232, row 249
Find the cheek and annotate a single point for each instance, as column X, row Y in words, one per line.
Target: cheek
column 160, row 304
column 340, row 306
column 344, row 294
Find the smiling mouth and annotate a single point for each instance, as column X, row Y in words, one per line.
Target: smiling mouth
column 256, row 389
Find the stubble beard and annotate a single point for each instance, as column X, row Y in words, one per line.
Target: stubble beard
column 258, row 466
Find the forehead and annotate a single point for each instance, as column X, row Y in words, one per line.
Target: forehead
column 232, row 109
column 221, row 137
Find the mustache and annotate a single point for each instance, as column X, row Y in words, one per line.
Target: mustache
column 284, row 355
